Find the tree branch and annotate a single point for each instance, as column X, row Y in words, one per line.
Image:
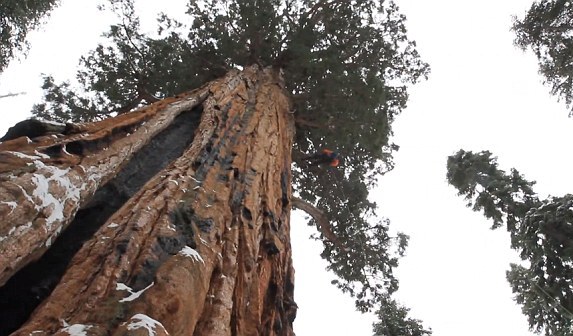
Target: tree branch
column 11, row 94
column 323, row 224
column 303, row 122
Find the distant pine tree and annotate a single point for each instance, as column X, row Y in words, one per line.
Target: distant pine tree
column 17, row 18
column 547, row 29
column 541, row 231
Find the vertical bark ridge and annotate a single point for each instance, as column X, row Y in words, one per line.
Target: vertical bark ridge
column 24, row 291
column 203, row 248
column 44, row 181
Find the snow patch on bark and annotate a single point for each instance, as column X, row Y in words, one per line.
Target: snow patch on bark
column 77, row 329
column 26, row 156
column 12, row 205
column 132, row 295
column 144, row 321
column 42, row 155
column 54, row 206
column 49, row 241
column 42, row 198
column 191, row 253
column 17, row 230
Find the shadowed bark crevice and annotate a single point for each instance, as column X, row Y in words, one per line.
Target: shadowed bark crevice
column 31, row 285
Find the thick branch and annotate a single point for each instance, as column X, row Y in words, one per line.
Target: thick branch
column 303, row 122
column 321, row 219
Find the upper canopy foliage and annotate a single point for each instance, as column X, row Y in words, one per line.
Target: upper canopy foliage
column 17, row 18
column 394, row 321
column 346, row 64
column 547, row 29
column 541, row 231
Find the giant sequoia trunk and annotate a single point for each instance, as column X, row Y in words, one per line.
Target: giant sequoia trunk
column 189, row 200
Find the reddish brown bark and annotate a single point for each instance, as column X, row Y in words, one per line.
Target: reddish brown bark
column 44, row 182
column 203, row 248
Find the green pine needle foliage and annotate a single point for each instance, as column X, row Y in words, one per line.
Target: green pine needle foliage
column 547, row 29
column 541, row 231
column 17, row 18
column 394, row 321
column 346, row 64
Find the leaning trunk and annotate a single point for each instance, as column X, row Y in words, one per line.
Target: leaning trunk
column 202, row 248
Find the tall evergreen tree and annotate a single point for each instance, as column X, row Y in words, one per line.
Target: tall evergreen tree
column 547, row 29
column 394, row 321
column 17, row 18
column 541, row 231
column 346, row 65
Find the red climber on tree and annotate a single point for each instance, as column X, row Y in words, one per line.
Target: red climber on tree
column 326, row 156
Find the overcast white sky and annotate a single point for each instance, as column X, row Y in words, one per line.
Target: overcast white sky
column 483, row 93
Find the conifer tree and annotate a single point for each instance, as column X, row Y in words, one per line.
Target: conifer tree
column 547, row 29
column 17, row 18
column 541, row 231
column 346, row 66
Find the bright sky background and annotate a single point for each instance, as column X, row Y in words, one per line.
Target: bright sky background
column 483, row 93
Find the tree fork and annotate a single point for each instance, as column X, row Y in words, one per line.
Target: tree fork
column 45, row 181
column 228, row 196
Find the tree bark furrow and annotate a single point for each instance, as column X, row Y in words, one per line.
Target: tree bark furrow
column 205, row 240
column 41, row 193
